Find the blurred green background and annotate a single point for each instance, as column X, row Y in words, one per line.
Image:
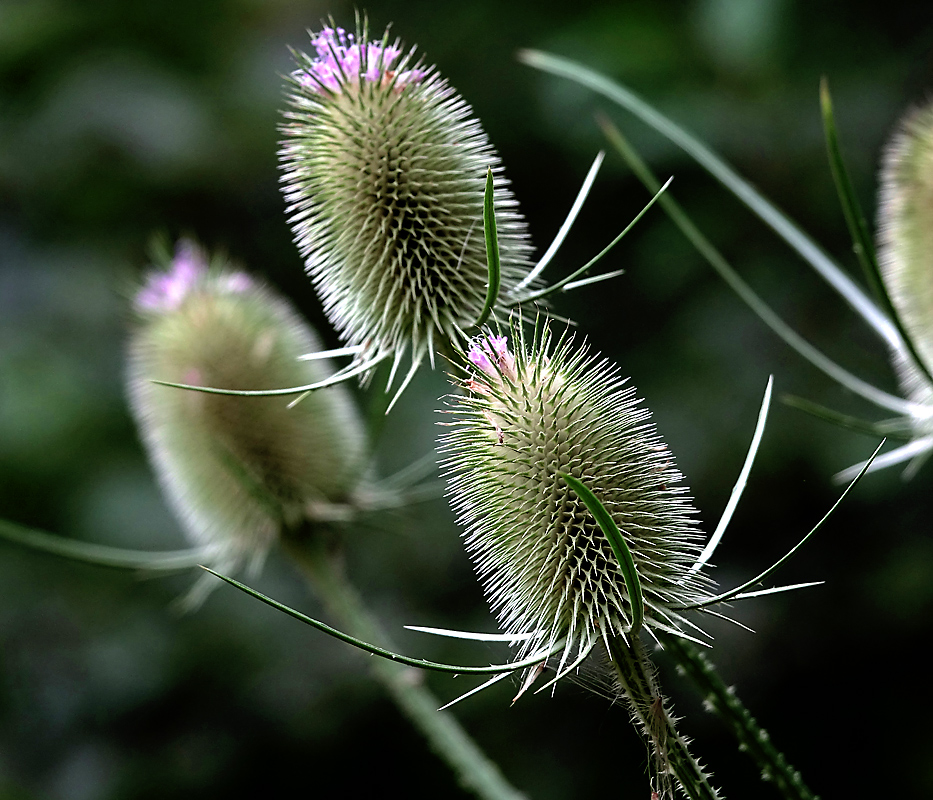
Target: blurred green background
column 118, row 120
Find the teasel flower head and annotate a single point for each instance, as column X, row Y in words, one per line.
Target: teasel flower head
column 905, row 251
column 384, row 175
column 526, row 418
column 236, row 470
column 904, row 286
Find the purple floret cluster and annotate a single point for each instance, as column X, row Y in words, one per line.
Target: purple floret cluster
column 340, row 61
column 166, row 291
column 497, row 347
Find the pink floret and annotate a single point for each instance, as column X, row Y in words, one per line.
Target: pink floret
column 339, row 62
column 498, row 348
column 165, row 291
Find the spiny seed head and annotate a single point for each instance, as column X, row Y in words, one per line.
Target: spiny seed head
column 527, row 416
column 235, row 469
column 905, row 246
column 384, row 174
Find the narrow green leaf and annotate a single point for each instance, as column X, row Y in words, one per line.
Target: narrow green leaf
column 100, row 554
column 605, row 276
column 388, row 654
column 861, row 240
column 492, row 250
column 619, row 548
column 899, row 429
column 916, row 451
column 858, row 229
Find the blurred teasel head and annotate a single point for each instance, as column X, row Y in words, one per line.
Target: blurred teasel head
column 384, row 174
column 526, row 418
column 236, row 470
column 905, row 248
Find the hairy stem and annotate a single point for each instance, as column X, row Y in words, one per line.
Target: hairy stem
column 648, row 706
column 450, row 742
column 752, row 738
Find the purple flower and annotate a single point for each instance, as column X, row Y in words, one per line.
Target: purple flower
column 340, row 60
column 497, row 347
column 165, row 291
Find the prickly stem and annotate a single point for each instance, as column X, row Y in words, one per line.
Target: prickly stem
column 670, row 753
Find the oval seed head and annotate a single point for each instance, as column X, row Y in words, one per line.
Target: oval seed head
column 384, row 173
column 237, row 470
column 549, row 572
column 905, row 246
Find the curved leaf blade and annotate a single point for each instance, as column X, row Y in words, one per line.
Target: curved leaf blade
column 420, row 663
column 102, row 555
column 719, row 169
column 619, row 548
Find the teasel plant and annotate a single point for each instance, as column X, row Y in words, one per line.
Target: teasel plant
column 390, row 182
column 586, row 542
column 243, row 475
column 898, row 274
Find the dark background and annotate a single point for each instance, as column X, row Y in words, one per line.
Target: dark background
column 118, row 120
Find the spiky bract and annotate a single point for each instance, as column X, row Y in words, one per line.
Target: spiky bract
column 384, row 173
column 548, row 570
column 236, row 469
column 905, row 245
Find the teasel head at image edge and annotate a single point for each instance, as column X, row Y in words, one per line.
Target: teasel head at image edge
column 384, row 175
column 237, row 471
column 905, row 249
column 522, row 419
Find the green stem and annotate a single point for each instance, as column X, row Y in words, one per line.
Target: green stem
column 752, row 738
column 648, row 706
column 475, row 771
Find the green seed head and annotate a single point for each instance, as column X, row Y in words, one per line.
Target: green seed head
column 235, row 469
column 905, row 246
column 385, row 170
column 549, row 571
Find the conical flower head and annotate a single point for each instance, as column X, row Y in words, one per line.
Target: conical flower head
column 235, row 469
column 905, row 247
column 549, row 572
column 385, row 171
